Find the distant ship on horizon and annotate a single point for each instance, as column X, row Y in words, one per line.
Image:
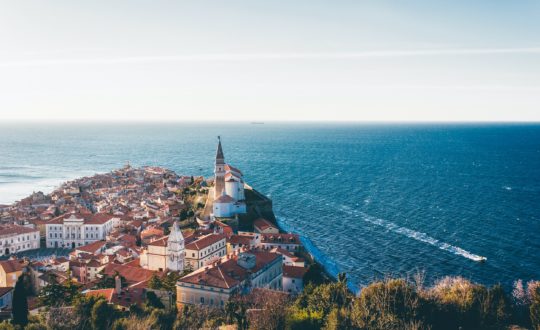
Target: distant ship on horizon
column 257, row 123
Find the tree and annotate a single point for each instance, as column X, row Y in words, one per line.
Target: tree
column 389, row 304
column 268, row 309
column 56, row 294
column 20, row 302
column 62, row 318
column 154, row 282
column 153, row 301
column 82, row 306
column 102, row 315
column 169, row 281
column 314, row 275
column 236, row 309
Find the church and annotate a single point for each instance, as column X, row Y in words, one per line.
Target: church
column 167, row 253
column 229, row 198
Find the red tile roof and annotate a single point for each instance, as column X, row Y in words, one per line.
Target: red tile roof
column 205, row 241
column 294, row 272
column 92, row 247
column 105, row 293
column 88, row 218
column 11, row 266
column 263, row 224
column 6, row 230
column 228, row 274
column 131, row 274
column 126, row 298
column 241, row 239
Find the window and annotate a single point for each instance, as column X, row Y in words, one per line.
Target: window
column 202, row 300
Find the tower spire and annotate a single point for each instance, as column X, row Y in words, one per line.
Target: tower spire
column 219, row 171
column 220, row 159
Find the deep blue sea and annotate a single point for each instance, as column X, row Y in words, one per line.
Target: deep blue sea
column 371, row 200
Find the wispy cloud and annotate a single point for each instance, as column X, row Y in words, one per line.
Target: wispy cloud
column 271, row 56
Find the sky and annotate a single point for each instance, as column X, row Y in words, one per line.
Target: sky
column 252, row 60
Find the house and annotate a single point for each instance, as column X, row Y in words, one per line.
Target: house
column 205, row 250
column 213, row 285
column 264, row 226
column 10, row 270
column 293, row 279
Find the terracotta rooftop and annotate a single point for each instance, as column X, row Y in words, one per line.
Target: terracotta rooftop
column 92, row 247
column 205, row 241
column 8, row 230
column 241, row 239
column 263, row 224
column 294, row 272
column 11, row 266
column 228, row 274
column 130, row 273
column 88, row 218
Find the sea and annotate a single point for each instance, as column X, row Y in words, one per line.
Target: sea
column 371, row 200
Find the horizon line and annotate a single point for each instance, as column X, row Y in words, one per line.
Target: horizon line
column 262, row 122
column 231, row 57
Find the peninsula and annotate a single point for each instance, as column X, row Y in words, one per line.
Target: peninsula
column 147, row 248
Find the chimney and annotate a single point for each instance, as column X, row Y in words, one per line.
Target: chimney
column 117, row 285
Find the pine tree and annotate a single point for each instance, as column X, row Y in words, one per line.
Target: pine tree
column 20, row 303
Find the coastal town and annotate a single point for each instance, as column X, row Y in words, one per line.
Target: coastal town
column 118, row 235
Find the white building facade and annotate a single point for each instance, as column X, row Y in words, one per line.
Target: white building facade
column 14, row 238
column 74, row 230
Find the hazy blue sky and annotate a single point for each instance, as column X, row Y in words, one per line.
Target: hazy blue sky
column 270, row 60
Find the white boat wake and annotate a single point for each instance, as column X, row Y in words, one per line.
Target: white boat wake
column 419, row 236
column 422, row 237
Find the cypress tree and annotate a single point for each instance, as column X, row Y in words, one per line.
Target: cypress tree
column 20, row 303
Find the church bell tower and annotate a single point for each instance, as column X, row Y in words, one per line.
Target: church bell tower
column 175, row 249
column 219, row 171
